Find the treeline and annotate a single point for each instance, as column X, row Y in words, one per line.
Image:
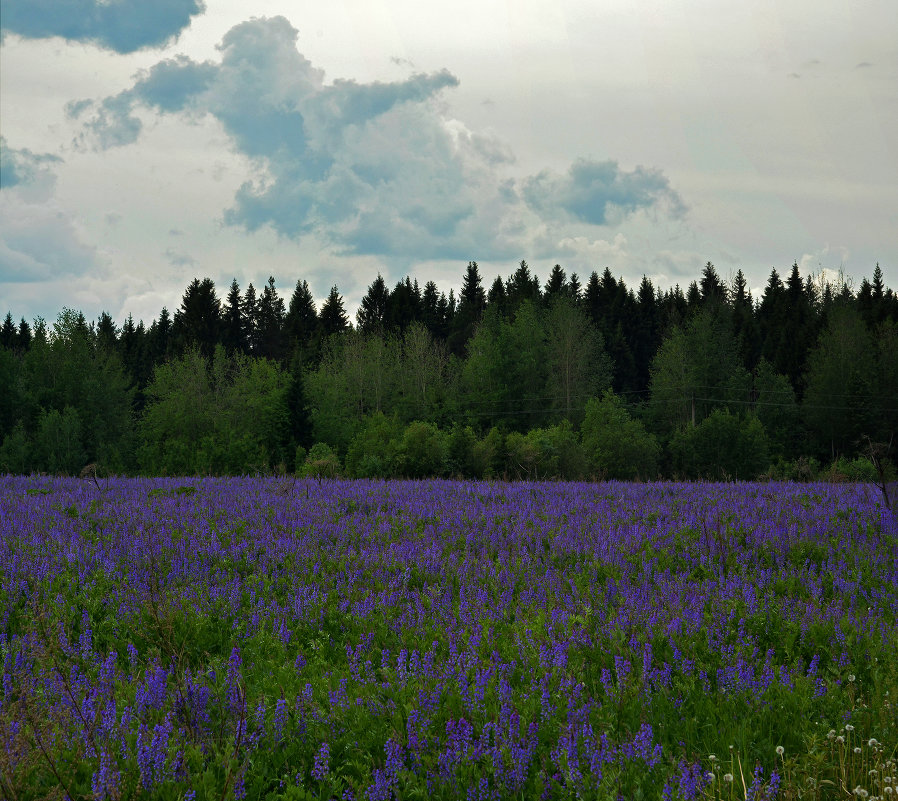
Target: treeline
column 522, row 379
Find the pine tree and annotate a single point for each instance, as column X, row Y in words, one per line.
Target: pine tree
column 23, row 341
column 249, row 309
column 556, row 285
column 233, row 331
column 496, row 298
column 371, row 318
column 648, row 332
column 713, row 292
column 198, row 320
column 106, row 332
column 404, row 306
column 520, row 287
column 272, row 311
column 301, row 323
column 471, row 305
column 333, row 319
column 159, row 337
column 744, row 328
column 430, row 311
column 592, row 299
column 298, row 414
column 8, row 333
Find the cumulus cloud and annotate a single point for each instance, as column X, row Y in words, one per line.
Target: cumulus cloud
column 38, row 239
column 370, row 168
column 22, row 167
column 120, row 25
column 594, row 191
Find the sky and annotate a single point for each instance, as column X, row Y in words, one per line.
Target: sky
column 145, row 144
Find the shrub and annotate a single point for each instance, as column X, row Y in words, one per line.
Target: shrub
column 422, row 451
column 722, row 446
column 321, row 462
column 616, row 445
column 373, row 451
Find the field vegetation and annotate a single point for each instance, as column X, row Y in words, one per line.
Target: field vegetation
column 242, row 638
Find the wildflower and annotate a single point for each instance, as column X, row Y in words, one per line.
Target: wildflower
column 322, row 762
column 872, row 742
column 851, row 677
column 780, row 750
column 840, row 739
column 888, row 790
column 857, row 749
column 849, row 727
column 712, row 758
column 728, row 777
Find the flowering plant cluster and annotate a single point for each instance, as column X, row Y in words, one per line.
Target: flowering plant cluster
column 264, row 639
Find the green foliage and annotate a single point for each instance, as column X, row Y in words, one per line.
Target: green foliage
column 722, row 446
column 15, row 452
column 229, row 417
column 422, row 451
column 840, row 379
column 374, row 450
column 844, row 469
column 321, row 462
column 695, row 371
column 617, row 445
column 58, row 443
column 541, row 453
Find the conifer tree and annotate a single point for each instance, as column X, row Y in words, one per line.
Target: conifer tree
column 197, row 322
column 371, row 318
column 471, row 305
column 23, row 341
column 106, row 332
column 233, row 326
column 301, row 323
column 8, row 333
column 270, row 323
column 333, row 319
column 249, row 309
column 496, row 298
column 404, row 306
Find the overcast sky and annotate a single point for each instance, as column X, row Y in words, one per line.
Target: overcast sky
column 145, row 143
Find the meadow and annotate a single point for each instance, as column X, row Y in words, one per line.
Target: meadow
column 268, row 638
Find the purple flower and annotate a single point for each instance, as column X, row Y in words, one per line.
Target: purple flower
column 280, row 717
column 322, row 763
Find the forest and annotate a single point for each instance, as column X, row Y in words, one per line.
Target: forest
column 515, row 380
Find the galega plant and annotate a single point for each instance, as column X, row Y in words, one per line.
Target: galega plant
column 211, row 639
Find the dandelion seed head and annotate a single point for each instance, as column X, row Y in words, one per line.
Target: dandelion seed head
column 780, row 750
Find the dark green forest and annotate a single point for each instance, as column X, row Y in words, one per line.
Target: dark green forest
column 517, row 379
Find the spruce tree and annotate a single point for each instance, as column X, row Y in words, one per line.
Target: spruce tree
column 8, row 333
column 23, row 341
column 371, row 318
column 270, row 325
column 249, row 309
column 333, row 319
column 301, row 323
column 233, row 325
column 198, row 320
column 471, row 305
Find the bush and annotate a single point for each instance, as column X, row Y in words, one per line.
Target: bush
column 844, row 469
column 460, row 445
column 546, row 453
column 801, row 469
column 321, row 462
column 373, row 451
column 723, row 446
column 616, row 445
column 422, row 452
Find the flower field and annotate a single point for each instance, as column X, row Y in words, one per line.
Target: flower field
column 212, row 639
